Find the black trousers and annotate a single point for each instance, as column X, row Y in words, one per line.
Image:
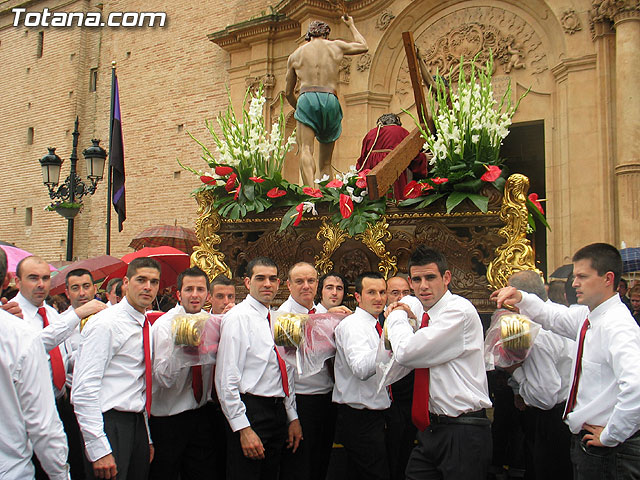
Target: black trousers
column 268, row 420
column 449, row 451
column 317, row 415
column 621, row 462
column 74, row 441
column 401, row 436
column 127, row 434
column 185, row 445
column 363, row 436
column 550, row 443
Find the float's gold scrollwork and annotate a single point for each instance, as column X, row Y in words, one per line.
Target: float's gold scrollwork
column 205, row 255
column 334, row 236
column 373, row 237
column 516, row 253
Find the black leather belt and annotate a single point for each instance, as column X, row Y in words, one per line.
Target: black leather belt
column 478, row 417
column 265, row 400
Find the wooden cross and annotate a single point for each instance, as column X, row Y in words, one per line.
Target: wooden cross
column 382, row 176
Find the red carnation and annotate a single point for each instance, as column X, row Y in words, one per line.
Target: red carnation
column 231, row 182
column 534, row 199
column 492, row 173
column 208, row 180
column 257, row 179
column 222, row 171
column 346, row 205
column 312, row 192
column 275, row 192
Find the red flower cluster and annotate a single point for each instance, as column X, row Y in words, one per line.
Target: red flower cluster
column 231, row 182
column 222, row 171
column 361, row 182
column 492, row 173
column 415, row 189
column 312, row 192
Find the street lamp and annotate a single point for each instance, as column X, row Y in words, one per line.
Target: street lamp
column 68, row 196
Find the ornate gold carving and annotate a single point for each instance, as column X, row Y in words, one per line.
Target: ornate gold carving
column 373, row 237
column 364, row 62
column 384, row 20
column 570, row 21
column 516, row 253
column 205, row 255
column 334, row 236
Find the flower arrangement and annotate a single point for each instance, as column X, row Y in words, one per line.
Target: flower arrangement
column 466, row 144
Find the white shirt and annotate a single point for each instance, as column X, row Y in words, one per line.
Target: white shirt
column 109, row 372
column 29, row 420
column 544, row 378
column 172, row 387
column 609, row 388
column 318, row 383
column 320, row 308
column 451, row 347
column 60, row 328
column 247, row 363
column 71, row 344
column 355, row 366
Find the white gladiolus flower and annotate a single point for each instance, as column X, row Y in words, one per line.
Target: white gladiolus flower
column 309, row 207
column 324, row 178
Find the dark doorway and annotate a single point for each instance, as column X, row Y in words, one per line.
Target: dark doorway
column 523, row 151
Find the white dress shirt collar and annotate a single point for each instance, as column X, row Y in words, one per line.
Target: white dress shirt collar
column 439, row 305
column 26, row 305
column 597, row 313
column 258, row 306
column 135, row 314
column 366, row 315
column 297, row 307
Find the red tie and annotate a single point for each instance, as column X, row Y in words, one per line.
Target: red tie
column 55, row 357
column 147, row 364
column 283, row 368
column 312, row 311
column 196, row 382
column 573, row 393
column 420, row 404
column 378, row 328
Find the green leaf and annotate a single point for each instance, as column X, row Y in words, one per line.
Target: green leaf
column 533, row 210
column 479, row 201
column 289, row 217
column 430, row 199
column 454, row 199
column 468, row 186
column 410, row 201
column 234, row 213
column 499, row 183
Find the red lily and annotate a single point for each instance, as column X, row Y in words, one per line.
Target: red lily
column 346, row 205
column 492, row 173
column 335, row 183
column 208, row 180
column 534, row 199
column 257, row 179
column 275, row 192
column 312, row 192
column 300, row 210
column 439, row 180
column 231, row 182
column 412, row 190
column 222, row 171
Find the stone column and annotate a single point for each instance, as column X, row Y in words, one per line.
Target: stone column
column 627, row 162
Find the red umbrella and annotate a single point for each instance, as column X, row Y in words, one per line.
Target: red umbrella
column 100, row 267
column 172, row 262
column 166, row 235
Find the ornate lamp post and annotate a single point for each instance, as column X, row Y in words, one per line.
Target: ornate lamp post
column 67, row 198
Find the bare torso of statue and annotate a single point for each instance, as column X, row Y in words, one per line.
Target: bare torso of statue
column 315, row 66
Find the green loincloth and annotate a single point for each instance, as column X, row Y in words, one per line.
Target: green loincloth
column 322, row 113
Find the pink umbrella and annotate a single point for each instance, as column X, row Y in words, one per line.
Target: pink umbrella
column 14, row 255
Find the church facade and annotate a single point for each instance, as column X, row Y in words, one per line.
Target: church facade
column 575, row 134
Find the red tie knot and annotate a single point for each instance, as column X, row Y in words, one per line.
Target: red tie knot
column 425, row 320
column 312, row 311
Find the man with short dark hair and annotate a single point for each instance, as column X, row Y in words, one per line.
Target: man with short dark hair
column 33, row 279
column 29, row 421
column 113, row 297
column 184, row 445
column 361, row 406
column 223, row 294
column 112, row 380
column 254, row 385
column 603, row 408
column 450, row 392
column 332, row 287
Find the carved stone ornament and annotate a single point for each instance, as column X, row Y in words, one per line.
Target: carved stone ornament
column 602, row 10
column 267, row 80
column 477, row 31
column 570, row 22
column 364, row 62
column 384, row 20
column 516, row 253
column 345, row 69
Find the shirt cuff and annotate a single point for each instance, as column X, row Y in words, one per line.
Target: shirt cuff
column 98, row 448
column 292, row 414
column 606, row 439
column 518, row 375
column 239, row 423
column 61, row 476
